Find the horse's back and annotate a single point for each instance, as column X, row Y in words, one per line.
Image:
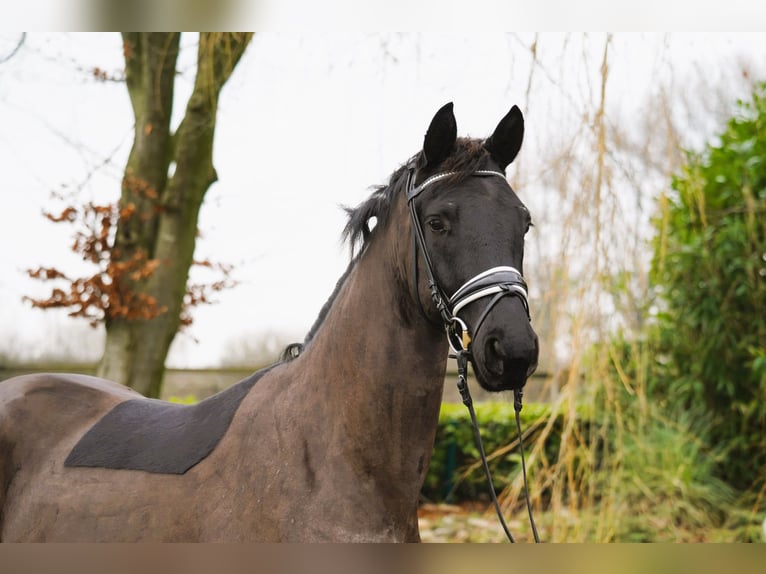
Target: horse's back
column 74, row 386
column 42, row 498
column 42, row 415
column 55, row 405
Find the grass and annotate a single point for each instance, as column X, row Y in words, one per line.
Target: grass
column 477, row 523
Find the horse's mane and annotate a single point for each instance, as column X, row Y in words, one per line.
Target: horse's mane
column 468, row 156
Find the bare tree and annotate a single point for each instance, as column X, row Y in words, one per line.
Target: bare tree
column 144, row 246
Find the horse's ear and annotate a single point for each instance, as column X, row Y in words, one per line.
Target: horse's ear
column 505, row 142
column 440, row 137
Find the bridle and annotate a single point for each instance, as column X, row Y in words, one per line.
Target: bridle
column 497, row 282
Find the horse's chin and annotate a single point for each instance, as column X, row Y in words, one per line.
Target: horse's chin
column 494, row 384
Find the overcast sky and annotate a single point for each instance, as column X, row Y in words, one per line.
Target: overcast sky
column 307, row 123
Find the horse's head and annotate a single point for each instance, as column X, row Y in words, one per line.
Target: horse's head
column 470, row 227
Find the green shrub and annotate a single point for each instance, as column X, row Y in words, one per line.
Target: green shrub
column 665, row 486
column 648, row 474
column 709, row 270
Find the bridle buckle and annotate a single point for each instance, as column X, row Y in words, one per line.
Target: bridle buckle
column 458, row 336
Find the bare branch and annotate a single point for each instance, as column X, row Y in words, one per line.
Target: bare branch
column 12, row 53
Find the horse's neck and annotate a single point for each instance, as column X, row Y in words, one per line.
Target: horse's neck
column 382, row 364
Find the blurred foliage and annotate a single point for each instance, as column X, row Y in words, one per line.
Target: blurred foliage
column 676, row 444
column 455, row 473
column 187, row 399
column 709, row 270
column 635, row 473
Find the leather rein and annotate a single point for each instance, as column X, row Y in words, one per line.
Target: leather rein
column 498, row 282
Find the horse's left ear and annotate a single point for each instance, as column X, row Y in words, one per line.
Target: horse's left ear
column 440, row 137
column 505, row 142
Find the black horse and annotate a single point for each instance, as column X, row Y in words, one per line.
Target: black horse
column 330, row 444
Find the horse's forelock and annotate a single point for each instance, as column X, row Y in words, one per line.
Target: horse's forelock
column 470, row 155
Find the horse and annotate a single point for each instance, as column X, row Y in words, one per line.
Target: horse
column 333, row 441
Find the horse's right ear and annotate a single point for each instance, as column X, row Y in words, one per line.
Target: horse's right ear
column 440, row 137
column 505, row 142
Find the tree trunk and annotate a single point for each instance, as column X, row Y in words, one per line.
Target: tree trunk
column 164, row 222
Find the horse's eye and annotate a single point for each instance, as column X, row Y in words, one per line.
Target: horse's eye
column 436, row 224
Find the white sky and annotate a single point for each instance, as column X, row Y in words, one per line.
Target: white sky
column 308, row 122
column 397, row 15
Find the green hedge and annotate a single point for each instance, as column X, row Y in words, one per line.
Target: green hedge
column 455, row 449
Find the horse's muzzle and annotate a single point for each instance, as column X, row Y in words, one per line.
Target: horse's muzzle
column 505, row 355
column 510, row 369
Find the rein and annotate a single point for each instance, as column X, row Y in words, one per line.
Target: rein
column 499, row 281
column 465, row 395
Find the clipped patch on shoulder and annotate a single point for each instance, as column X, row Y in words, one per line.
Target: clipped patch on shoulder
column 157, row 436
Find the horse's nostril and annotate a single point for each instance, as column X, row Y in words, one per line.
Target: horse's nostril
column 502, row 362
column 495, row 356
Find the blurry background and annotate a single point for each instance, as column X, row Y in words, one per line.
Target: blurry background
column 641, row 437
column 311, row 122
